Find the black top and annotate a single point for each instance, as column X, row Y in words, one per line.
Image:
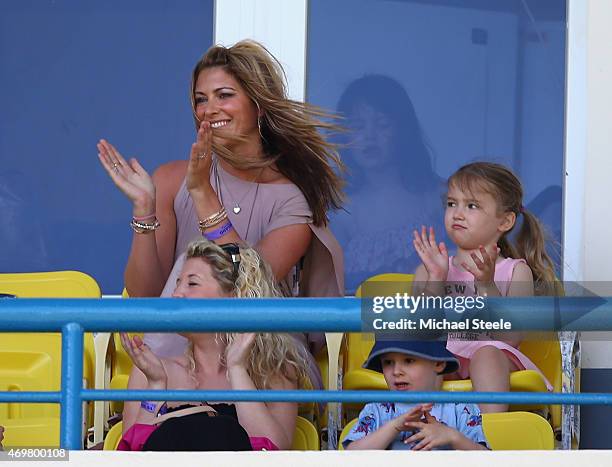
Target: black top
column 201, row 432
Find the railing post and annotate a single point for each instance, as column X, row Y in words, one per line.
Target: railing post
column 71, row 418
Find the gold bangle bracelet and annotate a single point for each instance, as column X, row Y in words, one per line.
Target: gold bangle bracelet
column 220, row 212
column 213, row 220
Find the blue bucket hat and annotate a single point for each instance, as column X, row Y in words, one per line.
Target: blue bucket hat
column 428, row 350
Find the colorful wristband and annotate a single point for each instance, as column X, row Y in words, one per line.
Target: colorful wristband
column 151, row 406
column 218, row 233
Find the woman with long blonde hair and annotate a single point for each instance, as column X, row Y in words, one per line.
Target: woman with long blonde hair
column 219, row 361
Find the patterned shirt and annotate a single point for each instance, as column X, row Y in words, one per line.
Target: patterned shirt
column 465, row 418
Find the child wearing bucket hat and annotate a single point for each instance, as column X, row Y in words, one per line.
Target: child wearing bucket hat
column 415, row 366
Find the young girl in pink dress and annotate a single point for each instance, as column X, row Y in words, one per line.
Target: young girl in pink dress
column 484, row 201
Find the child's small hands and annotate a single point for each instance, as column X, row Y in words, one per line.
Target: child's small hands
column 413, row 415
column 433, row 255
column 431, row 434
column 483, row 267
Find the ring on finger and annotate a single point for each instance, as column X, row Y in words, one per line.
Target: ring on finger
column 202, row 156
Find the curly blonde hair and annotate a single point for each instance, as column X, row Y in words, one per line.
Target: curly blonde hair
column 290, row 130
column 273, row 354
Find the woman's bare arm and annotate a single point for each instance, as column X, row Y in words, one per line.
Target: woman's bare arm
column 152, row 255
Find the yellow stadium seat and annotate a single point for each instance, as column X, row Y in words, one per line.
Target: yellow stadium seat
column 305, row 437
column 56, row 284
column 32, row 361
column 111, row 441
column 546, row 354
column 517, row 431
column 345, row 431
column 506, row 431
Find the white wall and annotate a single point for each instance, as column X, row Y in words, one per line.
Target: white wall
column 588, row 224
column 336, row 458
column 598, row 168
column 280, row 25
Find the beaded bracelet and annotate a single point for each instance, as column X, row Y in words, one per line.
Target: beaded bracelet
column 218, row 233
column 213, row 220
column 143, row 228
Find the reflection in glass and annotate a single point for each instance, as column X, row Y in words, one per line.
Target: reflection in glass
column 486, row 81
column 392, row 187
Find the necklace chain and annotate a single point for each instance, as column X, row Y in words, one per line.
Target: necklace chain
column 237, row 209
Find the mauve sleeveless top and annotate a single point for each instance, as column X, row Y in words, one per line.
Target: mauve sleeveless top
column 264, row 208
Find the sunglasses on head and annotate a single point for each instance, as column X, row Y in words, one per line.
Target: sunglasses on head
column 233, row 251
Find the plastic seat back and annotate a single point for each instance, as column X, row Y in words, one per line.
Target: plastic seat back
column 55, row 284
column 32, row 361
column 305, row 437
column 545, row 352
column 517, row 431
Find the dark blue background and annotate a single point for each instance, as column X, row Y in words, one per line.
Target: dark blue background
column 73, row 72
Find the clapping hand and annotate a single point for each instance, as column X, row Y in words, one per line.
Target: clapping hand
column 131, row 178
column 433, row 255
column 431, row 434
column 200, row 160
column 401, row 423
column 483, row 267
column 238, row 350
column 149, row 363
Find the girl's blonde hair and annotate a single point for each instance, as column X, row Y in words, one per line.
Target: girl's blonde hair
column 501, row 183
column 248, row 275
column 289, row 130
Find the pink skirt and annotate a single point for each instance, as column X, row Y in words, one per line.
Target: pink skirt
column 465, row 349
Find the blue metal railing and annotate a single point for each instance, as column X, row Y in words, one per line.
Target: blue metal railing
column 72, row 316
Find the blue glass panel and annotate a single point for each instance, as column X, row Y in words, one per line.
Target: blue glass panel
column 425, row 87
column 73, row 72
